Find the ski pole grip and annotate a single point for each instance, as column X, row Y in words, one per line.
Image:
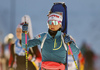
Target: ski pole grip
column 25, row 27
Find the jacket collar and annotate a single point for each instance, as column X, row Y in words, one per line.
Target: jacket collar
column 57, row 34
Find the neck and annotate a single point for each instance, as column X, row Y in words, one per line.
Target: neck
column 53, row 33
column 20, row 41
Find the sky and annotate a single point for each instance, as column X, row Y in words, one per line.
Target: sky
column 83, row 18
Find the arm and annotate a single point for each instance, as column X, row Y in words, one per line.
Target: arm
column 30, row 43
column 34, row 54
column 33, row 42
column 37, row 54
column 74, row 48
column 71, row 41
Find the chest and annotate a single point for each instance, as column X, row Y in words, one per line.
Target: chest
column 53, row 45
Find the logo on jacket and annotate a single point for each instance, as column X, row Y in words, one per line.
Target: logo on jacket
column 39, row 36
column 55, row 45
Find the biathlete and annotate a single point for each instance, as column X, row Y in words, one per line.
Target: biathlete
column 53, row 43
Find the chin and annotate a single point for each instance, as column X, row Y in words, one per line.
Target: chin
column 53, row 30
column 19, row 38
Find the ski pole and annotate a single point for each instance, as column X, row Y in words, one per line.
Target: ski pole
column 26, row 46
column 26, row 50
column 72, row 55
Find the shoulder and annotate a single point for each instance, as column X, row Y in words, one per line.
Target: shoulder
column 64, row 34
column 13, row 44
column 41, row 35
column 71, row 37
column 12, row 47
column 68, row 35
column 16, row 41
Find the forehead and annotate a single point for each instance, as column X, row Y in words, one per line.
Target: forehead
column 60, row 13
column 55, row 16
column 19, row 29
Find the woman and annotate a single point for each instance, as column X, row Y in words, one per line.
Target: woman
column 18, row 52
column 53, row 47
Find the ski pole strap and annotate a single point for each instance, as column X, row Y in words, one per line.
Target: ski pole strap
column 43, row 41
column 63, row 42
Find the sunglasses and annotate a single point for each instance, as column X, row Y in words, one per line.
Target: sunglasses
column 53, row 22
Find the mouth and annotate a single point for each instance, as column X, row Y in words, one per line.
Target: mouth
column 52, row 28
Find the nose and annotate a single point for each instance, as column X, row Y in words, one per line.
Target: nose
column 52, row 23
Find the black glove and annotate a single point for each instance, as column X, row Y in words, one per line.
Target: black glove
column 25, row 27
column 68, row 39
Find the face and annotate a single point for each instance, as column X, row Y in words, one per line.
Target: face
column 54, row 21
column 19, row 33
column 54, row 27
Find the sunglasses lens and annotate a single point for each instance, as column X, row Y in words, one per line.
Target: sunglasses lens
column 50, row 22
column 53, row 22
column 56, row 22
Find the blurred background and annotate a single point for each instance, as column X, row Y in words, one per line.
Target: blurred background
column 83, row 22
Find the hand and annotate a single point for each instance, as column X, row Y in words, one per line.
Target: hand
column 68, row 39
column 25, row 27
column 14, row 65
column 29, row 57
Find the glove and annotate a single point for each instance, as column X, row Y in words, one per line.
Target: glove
column 29, row 57
column 68, row 39
column 25, row 27
column 14, row 65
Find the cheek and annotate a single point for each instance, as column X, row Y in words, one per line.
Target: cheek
column 18, row 35
column 60, row 25
column 49, row 26
column 57, row 27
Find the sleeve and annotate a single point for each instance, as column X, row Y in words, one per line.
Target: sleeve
column 73, row 46
column 37, row 54
column 30, row 51
column 33, row 42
